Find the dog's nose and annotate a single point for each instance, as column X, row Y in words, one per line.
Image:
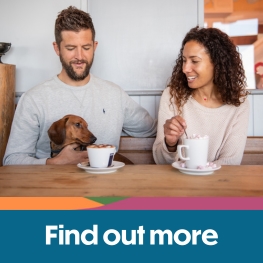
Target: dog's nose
column 93, row 139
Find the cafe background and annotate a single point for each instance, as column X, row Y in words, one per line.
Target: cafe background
column 138, row 42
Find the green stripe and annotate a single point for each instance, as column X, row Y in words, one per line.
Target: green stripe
column 106, row 200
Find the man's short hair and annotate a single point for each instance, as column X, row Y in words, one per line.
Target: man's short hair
column 72, row 19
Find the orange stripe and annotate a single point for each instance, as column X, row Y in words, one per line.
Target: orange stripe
column 46, row 203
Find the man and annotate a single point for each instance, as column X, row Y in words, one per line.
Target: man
column 107, row 109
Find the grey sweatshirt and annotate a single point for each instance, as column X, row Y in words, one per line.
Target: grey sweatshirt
column 107, row 109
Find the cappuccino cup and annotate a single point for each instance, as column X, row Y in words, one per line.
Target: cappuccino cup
column 101, row 155
column 196, row 152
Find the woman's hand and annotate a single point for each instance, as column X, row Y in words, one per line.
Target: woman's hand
column 173, row 130
column 69, row 156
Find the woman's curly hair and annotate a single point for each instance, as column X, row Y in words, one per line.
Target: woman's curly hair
column 229, row 74
column 72, row 19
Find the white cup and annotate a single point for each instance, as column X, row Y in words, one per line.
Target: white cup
column 101, row 157
column 196, row 151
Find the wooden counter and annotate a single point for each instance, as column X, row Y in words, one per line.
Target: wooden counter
column 129, row 181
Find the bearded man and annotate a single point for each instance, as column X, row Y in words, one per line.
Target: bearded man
column 106, row 108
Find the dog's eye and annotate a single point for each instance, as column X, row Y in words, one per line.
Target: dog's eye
column 78, row 125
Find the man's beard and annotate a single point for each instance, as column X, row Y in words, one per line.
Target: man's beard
column 70, row 71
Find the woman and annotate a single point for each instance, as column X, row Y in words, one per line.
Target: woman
column 206, row 96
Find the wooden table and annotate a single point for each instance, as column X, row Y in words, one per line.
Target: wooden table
column 129, row 181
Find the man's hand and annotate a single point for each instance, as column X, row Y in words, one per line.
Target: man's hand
column 69, row 156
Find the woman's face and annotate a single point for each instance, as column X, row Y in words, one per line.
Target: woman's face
column 197, row 66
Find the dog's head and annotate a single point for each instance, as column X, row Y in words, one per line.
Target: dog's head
column 70, row 129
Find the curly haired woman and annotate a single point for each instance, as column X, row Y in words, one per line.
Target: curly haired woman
column 206, row 96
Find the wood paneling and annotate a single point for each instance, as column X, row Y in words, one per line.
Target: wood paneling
column 246, row 5
column 231, row 11
column 244, row 40
column 7, row 104
column 139, row 150
column 218, row 7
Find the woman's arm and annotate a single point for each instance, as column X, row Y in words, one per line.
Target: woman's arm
column 169, row 130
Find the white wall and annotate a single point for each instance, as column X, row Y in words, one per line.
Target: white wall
column 29, row 26
column 247, row 55
column 138, row 39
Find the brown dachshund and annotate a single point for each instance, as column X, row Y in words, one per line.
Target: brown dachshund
column 68, row 130
column 73, row 129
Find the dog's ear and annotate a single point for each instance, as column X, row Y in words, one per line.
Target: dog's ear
column 57, row 131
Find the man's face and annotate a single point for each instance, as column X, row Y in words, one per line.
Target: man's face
column 76, row 53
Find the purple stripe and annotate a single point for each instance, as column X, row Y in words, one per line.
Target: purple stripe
column 186, row 203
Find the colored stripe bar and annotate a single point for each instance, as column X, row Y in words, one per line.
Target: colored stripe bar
column 187, row 203
column 47, row 203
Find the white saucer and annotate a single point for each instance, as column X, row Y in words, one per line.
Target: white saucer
column 205, row 171
column 115, row 165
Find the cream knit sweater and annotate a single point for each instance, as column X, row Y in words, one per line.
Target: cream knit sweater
column 226, row 127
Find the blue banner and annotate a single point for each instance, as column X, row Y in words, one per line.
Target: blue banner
column 131, row 236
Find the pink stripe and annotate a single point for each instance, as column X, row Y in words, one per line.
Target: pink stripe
column 186, row 203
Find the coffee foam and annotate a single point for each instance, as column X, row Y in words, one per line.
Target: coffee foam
column 100, row 146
